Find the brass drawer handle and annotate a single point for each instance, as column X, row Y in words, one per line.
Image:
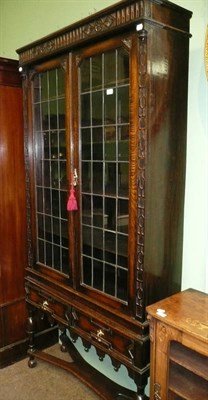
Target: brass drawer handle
column 100, row 333
column 99, row 337
column 101, row 328
column 45, row 307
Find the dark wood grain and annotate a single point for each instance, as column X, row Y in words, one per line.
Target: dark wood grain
column 12, row 212
column 179, row 346
column 158, row 64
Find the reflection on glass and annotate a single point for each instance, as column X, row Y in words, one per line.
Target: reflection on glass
column 110, row 178
column 110, row 106
column 96, row 71
column 110, row 143
column 40, row 226
column 122, row 279
column 97, row 177
column 85, row 110
column 110, row 247
column 86, row 143
column 52, row 79
column 62, row 146
column 86, row 177
column 97, row 115
column 87, row 240
column 54, row 145
column 110, row 279
column 110, row 69
column 36, row 89
column 104, row 135
column 44, row 86
column 85, row 77
column 61, row 113
column 47, row 174
column 97, row 143
column 60, row 84
column 123, row 99
column 97, row 275
column 87, row 270
column 63, row 201
column 47, row 202
column 123, row 179
column 86, row 209
column 56, row 230
column 123, row 66
column 50, row 166
column 123, row 143
column 45, row 115
column 40, row 199
column 123, row 216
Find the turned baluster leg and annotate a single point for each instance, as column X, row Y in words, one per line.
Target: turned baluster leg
column 140, row 390
column 31, row 332
column 135, row 396
column 61, row 337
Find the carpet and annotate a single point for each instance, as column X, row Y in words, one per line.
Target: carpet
column 44, row 382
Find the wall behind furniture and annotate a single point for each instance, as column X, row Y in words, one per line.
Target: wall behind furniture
column 22, row 22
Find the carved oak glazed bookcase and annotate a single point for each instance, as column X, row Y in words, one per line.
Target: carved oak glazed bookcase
column 105, row 110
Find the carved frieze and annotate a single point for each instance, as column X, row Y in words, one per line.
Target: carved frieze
column 76, row 34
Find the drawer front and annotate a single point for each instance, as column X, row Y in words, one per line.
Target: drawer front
column 44, row 301
column 92, row 330
column 102, row 336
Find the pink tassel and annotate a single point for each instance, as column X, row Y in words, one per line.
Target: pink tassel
column 72, row 202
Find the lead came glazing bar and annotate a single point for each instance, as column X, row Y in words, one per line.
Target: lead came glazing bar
column 105, row 163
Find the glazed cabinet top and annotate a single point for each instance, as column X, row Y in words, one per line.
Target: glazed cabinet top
column 105, row 136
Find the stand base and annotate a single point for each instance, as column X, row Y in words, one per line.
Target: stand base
column 99, row 383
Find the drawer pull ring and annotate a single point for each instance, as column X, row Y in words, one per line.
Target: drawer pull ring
column 45, row 305
column 100, row 333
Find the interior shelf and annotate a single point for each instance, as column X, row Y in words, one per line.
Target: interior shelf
column 186, row 384
column 189, row 359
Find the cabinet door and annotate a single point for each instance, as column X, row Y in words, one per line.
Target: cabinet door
column 106, row 149
column 49, row 166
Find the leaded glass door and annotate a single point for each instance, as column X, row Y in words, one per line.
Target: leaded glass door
column 104, row 168
column 50, row 162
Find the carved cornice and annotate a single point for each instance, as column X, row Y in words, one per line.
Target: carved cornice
column 106, row 22
column 81, row 32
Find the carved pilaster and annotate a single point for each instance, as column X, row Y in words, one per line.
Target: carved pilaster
column 142, row 136
column 25, row 84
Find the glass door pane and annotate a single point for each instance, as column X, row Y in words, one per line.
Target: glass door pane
column 50, row 167
column 104, row 135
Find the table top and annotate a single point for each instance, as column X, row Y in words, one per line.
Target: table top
column 186, row 311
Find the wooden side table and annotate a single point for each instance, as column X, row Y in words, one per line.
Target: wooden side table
column 179, row 347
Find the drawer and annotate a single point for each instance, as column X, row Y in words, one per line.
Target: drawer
column 44, row 301
column 103, row 336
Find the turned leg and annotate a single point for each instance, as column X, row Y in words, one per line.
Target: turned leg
column 139, row 395
column 61, row 337
column 141, row 384
column 136, row 396
column 31, row 333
